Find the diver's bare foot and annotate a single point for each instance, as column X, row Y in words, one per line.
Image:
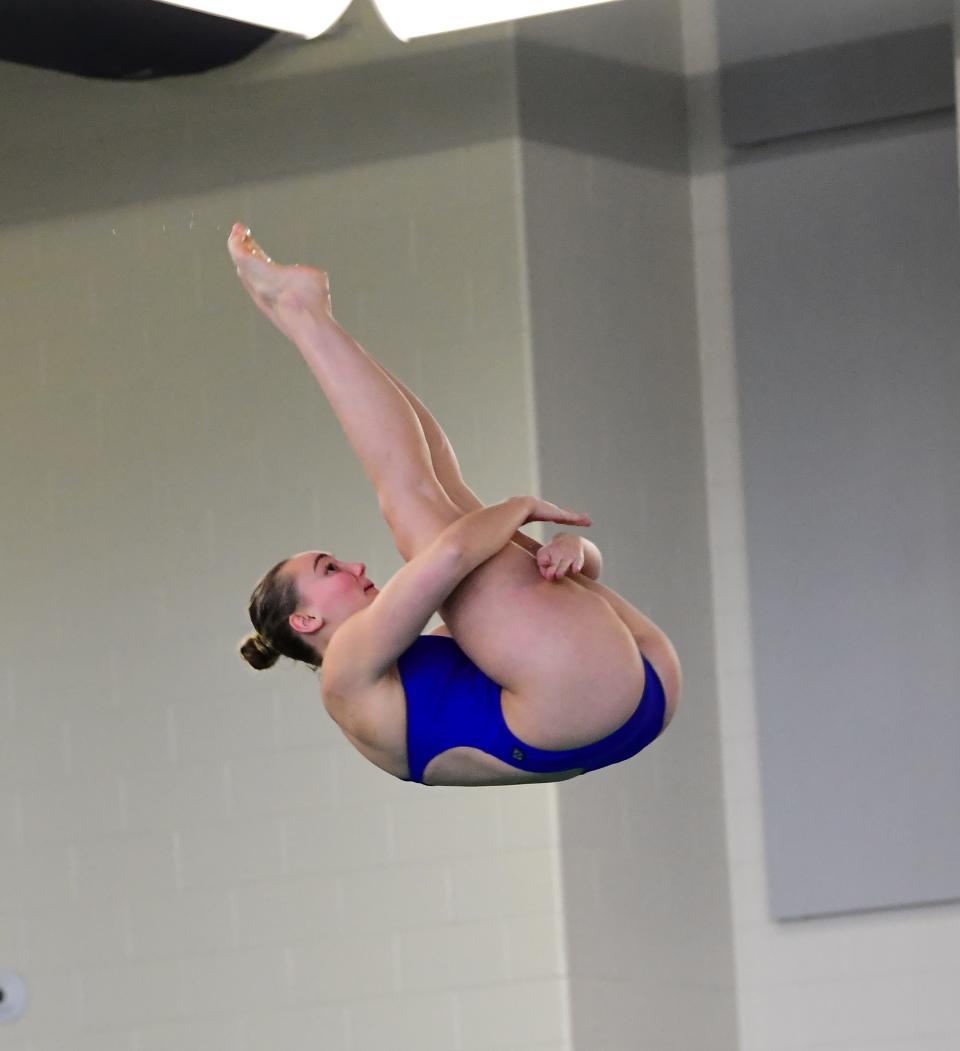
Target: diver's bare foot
column 291, row 296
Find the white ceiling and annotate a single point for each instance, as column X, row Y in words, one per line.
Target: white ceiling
column 647, row 33
column 359, row 38
column 639, row 32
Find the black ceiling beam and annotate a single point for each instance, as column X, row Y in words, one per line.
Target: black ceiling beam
column 121, row 39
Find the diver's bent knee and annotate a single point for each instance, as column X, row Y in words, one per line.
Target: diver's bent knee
column 416, row 515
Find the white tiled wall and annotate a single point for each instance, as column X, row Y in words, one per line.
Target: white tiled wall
column 883, row 981
column 192, row 856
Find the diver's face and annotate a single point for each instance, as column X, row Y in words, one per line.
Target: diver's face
column 330, row 591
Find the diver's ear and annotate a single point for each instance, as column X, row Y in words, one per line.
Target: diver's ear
column 306, row 623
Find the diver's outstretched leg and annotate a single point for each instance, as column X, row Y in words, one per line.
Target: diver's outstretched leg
column 378, row 420
column 446, row 466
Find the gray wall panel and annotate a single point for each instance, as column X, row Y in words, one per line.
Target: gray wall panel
column 616, row 374
column 846, row 266
column 841, row 86
column 750, row 29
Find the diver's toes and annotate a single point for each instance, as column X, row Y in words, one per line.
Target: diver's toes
column 242, row 244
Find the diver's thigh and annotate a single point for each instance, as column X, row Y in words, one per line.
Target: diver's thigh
column 550, row 643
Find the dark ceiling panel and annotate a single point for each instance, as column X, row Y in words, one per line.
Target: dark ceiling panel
column 121, row 39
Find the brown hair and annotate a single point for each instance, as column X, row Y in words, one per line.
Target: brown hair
column 272, row 602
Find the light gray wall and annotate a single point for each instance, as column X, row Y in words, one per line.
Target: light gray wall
column 615, row 359
column 192, row 854
column 617, row 379
column 850, row 396
column 848, row 393
column 874, row 980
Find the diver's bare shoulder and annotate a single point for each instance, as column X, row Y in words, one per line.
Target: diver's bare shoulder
column 374, row 720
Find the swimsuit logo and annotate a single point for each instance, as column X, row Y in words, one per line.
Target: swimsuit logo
column 517, row 754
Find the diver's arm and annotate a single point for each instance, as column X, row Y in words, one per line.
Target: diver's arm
column 481, row 534
column 467, row 500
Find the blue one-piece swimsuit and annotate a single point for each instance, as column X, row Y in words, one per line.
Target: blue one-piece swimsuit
column 451, row 703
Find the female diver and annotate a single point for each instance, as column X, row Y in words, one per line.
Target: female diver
column 539, row 673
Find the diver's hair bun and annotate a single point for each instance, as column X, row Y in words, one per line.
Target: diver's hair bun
column 258, row 654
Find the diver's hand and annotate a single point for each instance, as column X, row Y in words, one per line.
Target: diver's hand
column 543, row 511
